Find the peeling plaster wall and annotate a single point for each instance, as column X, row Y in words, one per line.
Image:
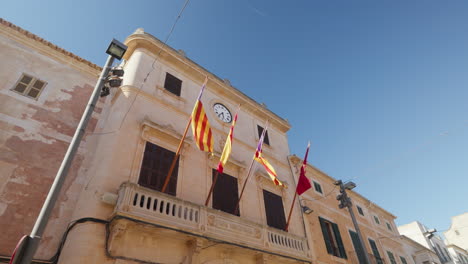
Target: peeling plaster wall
column 35, row 134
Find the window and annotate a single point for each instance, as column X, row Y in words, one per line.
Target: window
column 332, row 237
column 274, row 210
column 155, row 166
column 389, row 226
column 403, row 260
column 448, row 255
column 376, row 219
column 225, row 193
column 360, row 211
column 358, row 247
column 173, row 84
column 260, row 130
column 317, row 187
column 391, row 257
column 439, row 255
column 375, row 251
column 29, row 86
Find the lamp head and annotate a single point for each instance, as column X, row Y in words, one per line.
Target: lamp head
column 116, row 49
column 349, row 185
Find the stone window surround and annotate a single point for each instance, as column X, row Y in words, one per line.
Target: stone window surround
column 28, row 87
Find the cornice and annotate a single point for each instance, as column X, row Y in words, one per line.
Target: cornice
column 142, row 40
column 31, row 40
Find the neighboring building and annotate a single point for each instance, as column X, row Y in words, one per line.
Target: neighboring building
column 426, row 237
column 419, row 253
column 458, row 254
column 43, row 92
column 332, row 235
column 458, row 231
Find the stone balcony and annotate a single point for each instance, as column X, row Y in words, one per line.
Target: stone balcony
column 160, row 209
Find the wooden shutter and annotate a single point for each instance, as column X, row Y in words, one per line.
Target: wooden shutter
column 339, row 241
column 155, row 166
column 391, row 257
column 265, row 139
column 274, row 210
column 326, row 236
column 375, row 251
column 358, row 247
column 225, row 193
column 403, row 260
column 173, row 84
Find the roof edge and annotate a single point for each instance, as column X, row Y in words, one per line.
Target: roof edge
column 36, row 38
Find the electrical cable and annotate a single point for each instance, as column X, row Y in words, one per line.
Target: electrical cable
column 148, row 74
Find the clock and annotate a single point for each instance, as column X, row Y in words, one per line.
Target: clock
column 222, row 112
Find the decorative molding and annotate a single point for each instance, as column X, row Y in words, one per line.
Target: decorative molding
column 154, row 132
column 198, row 73
column 231, row 165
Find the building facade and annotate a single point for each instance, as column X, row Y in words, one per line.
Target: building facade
column 419, row 253
column 332, row 235
column 458, row 254
column 43, row 93
column 143, row 126
column 428, row 238
column 458, row 231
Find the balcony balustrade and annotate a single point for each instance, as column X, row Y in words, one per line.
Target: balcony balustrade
column 165, row 210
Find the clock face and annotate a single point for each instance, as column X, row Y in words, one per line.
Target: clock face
column 222, row 112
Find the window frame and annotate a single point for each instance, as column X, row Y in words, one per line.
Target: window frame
column 320, row 186
column 360, row 210
column 266, row 139
column 379, row 259
column 169, row 90
column 376, row 219
column 389, row 226
column 403, row 260
column 391, row 257
column 139, row 179
column 29, row 86
column 332, row 238
column 263, row 190
column 213, row 172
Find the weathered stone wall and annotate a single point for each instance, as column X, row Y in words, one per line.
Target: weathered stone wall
column 35, row 134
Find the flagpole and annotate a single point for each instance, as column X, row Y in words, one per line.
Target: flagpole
column 212, row 187
column 290, row 212
column 229, row 139
column 171, row 169
column 243, row 187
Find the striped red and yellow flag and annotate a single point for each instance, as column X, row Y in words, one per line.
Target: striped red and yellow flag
column 201, row 128
column 269, row 169
column 227, row 147
column 260, row 159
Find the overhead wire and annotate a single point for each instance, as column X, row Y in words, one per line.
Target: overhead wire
column 149, row 73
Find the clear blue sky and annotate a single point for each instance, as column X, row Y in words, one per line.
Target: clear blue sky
column 379, row 87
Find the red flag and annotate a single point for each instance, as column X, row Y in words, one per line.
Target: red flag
column 304, row 183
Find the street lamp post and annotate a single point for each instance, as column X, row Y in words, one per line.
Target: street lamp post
column 345, row 201
column 116, row 50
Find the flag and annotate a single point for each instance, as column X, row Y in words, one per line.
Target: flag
column 304, row 183
column 227, row 147
column 200, row 126
column 260, row 159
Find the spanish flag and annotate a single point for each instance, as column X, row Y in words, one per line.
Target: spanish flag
column 227, row 147
column 260, row 159
column 200, row 126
